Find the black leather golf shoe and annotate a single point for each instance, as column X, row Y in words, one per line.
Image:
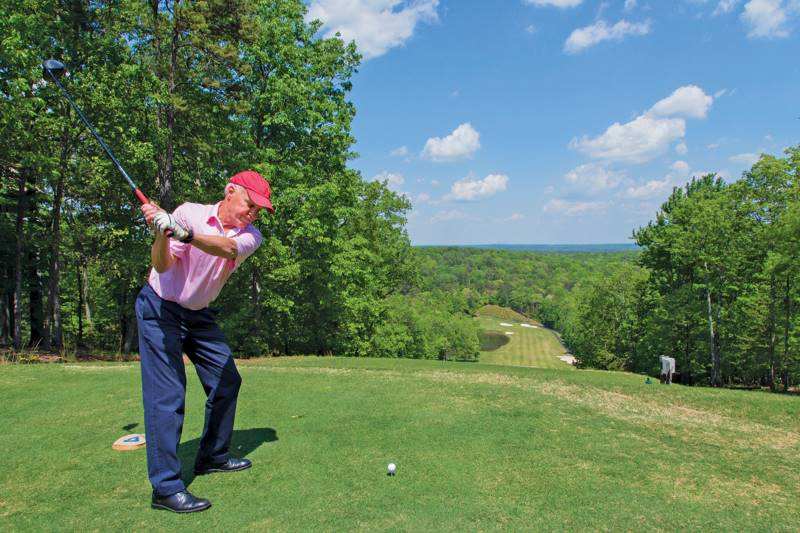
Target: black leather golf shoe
column 180, row 502
column 231, row 465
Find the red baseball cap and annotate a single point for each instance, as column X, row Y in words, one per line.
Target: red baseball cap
column 257, row 187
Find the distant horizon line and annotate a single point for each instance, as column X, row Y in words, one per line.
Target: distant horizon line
column 633, row 244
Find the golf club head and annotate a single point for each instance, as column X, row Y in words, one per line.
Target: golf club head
column 54, row 67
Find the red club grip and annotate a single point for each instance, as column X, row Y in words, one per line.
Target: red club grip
column 145, row 200
column 142, row 197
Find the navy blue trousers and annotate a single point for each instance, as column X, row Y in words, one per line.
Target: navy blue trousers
column 166, row 332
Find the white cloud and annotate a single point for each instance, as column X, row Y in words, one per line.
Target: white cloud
column 401, row 151
column 423, row 198
column 637, row 141
column 598, row 32
column 435, row 182
column 393, row 181
column 530, row 28
column 566, row 207
column 681, row 148
column 651, row 133
column 375, row 25
column 593, row 178
column 629, row 4
column 725, row 6
column 749, row 159
column 724, row 92
column 650, row 189
column 765, row 19
column 474, row 189
column 555, row 3
column 514, row 217
column 688, row 101
column 461, row 144
column 681, row 168
column 446, row 216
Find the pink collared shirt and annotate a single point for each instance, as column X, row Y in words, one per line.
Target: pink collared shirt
column 196, row 278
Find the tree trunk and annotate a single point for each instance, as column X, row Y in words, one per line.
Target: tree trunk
column 712, row 337
column 787, row 320
column 52, row 331
column 35, row 300
column 20, row 235
column 771, row 334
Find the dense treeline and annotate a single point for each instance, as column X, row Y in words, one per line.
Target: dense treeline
column 186, row 94
column 716, row 284
column 719, row 285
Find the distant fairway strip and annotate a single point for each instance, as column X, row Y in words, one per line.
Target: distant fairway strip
column 527, row 346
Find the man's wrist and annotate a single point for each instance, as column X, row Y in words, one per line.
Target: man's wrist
column 189, row 236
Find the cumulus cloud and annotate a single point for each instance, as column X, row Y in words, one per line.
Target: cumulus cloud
column 461, row 144
column 423, row 198
column 593, row 178
column 725, row 6
column 514, row 217
column 401, row 151
column 766, row 19
column 475, row 189
column 651, row 189
column 681, row 148
column 689, row 101
column 748, row 159
column 598, row 32
column 637, row 141
column 393, row 181
column 650, row 134
column 555, row 3
column 681, row 168
column 569, row 208
column 375, row 25
column 629, row 5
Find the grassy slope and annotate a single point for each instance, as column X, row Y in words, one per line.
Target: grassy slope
column 478, row 447
column 536, row 347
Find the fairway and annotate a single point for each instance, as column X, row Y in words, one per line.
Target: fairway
column 477, row 447
column 528, row 345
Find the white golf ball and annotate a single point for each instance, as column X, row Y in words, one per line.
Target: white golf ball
column 392, row 468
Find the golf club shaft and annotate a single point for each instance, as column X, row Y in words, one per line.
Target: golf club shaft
column 136, row 190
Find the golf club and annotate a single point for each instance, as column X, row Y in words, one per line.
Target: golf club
column 56, row 69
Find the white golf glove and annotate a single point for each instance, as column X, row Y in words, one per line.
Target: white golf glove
column 165, row 222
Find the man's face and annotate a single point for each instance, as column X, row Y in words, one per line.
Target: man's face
column 241, row 210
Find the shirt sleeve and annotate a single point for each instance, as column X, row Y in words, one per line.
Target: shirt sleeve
column 247, row 242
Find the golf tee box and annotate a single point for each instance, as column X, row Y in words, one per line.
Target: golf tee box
column 129, row 442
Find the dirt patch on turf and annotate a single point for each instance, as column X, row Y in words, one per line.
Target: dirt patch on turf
column 301, row 370
column 681, row 421
column 96, row 367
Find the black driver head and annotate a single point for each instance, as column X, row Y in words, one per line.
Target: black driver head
column 54, row 68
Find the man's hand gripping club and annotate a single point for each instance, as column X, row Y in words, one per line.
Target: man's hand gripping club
column 165, row 224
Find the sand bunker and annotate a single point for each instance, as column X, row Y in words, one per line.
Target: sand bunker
column 506, row 324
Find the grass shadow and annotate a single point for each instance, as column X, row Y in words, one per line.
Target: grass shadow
column 492, row 340
column 243, row 443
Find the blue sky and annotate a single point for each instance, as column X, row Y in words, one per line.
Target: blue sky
column 563, row 121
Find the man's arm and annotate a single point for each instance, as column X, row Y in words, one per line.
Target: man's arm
column 160, row 256
column 216, row 245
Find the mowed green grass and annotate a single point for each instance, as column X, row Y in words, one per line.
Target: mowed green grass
column 478, row 448
column 537, row 347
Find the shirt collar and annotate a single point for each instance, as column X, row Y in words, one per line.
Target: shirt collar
column 214, row 218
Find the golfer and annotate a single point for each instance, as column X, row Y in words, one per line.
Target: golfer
column 206, row 244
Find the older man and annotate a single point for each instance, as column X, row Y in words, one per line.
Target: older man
column 206, row 244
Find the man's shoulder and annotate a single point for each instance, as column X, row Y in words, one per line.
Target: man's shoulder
column 255, row 231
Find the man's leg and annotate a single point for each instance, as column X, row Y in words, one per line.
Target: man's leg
column 163, row 389
column 212, row 358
